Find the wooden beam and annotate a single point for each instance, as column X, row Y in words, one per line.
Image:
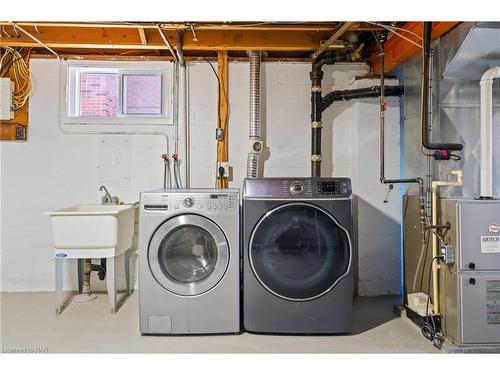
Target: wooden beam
column 142, row 35
column 263, row 26
column 397, row 49
column 129, row 39
column 338, row 33
column 74, row 56
column 13, row 132
column 222, row 145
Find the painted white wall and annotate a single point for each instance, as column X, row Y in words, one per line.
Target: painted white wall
column 53, row 170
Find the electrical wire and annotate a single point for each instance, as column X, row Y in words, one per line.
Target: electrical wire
column 218, row 80
column 20, row 74
column 393, row 29
column 397, row 28
column 219, row 119
column 429, row 330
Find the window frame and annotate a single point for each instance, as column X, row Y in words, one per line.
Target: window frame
column 70, row 96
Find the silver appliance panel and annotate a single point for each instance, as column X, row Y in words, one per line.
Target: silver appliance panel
column 297, row 188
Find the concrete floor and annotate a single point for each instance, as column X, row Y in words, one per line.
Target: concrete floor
column 28, row 321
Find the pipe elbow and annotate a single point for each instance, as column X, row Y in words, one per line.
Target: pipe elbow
column 490, row 74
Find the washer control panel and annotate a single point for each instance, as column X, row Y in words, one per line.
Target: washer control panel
column 193, row 201
column 217, row 202
column 298, row 188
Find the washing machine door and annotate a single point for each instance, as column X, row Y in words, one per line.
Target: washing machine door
column 188, row 254
column 299, row 251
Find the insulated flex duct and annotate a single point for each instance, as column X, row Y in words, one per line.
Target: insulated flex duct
column 254, row 129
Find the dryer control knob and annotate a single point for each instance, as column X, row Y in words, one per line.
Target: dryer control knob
column 188, row 201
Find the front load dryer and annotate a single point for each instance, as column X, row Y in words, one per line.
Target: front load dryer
column 189, row 261
column 297, row 255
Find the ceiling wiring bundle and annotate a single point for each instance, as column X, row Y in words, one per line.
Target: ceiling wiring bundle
column 13, row 61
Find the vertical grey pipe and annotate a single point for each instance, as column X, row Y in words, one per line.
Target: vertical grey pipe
column 254, row 130
column 179, row 47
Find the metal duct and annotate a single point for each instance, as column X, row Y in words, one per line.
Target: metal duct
column 474, row 49
column 254, row 130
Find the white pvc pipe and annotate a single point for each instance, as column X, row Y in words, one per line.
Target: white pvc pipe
column 486, row 85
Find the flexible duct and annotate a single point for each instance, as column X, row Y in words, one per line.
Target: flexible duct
column 254, row 130
column 486, row 84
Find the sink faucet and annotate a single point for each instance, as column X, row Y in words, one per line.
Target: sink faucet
column 107, row 198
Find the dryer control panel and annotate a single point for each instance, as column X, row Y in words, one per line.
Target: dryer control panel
column 298, row 188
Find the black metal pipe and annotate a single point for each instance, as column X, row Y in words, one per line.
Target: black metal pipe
column 316, row 126
column 369, row 92
column 316, row 76
column 425, row 99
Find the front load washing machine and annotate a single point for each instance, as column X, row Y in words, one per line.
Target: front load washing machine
column 297, row 255
column 189, row 261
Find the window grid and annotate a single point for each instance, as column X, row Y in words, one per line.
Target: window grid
column 98, row 94
column 142, row 94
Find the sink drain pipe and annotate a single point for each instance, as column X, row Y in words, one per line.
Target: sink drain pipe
column 254, row 130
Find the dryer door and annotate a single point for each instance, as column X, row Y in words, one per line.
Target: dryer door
column 299, row 251
column 188, row 255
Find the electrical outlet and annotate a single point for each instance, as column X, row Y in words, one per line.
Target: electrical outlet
column 448, row 253
column 226, row 166
column 21, row 133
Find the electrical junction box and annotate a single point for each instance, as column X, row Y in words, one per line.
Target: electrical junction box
column 448, row 254
column 227, row 169
column 6, row 93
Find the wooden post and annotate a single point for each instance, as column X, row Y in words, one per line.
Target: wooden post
column 222, row 144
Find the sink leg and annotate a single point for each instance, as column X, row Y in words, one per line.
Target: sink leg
column 80, row 265
column 59, row 277
column 111, row 282
column 127, row 270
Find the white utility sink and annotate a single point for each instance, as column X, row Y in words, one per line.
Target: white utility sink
column 92, row 230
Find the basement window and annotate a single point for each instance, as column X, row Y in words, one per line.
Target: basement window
column 110, row 95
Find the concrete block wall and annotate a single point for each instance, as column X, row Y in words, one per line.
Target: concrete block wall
column 53, row 170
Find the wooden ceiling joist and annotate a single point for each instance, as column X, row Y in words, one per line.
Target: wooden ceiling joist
column 265, row 36
column 238, row 26
column 112, row 38
column 398, row 50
